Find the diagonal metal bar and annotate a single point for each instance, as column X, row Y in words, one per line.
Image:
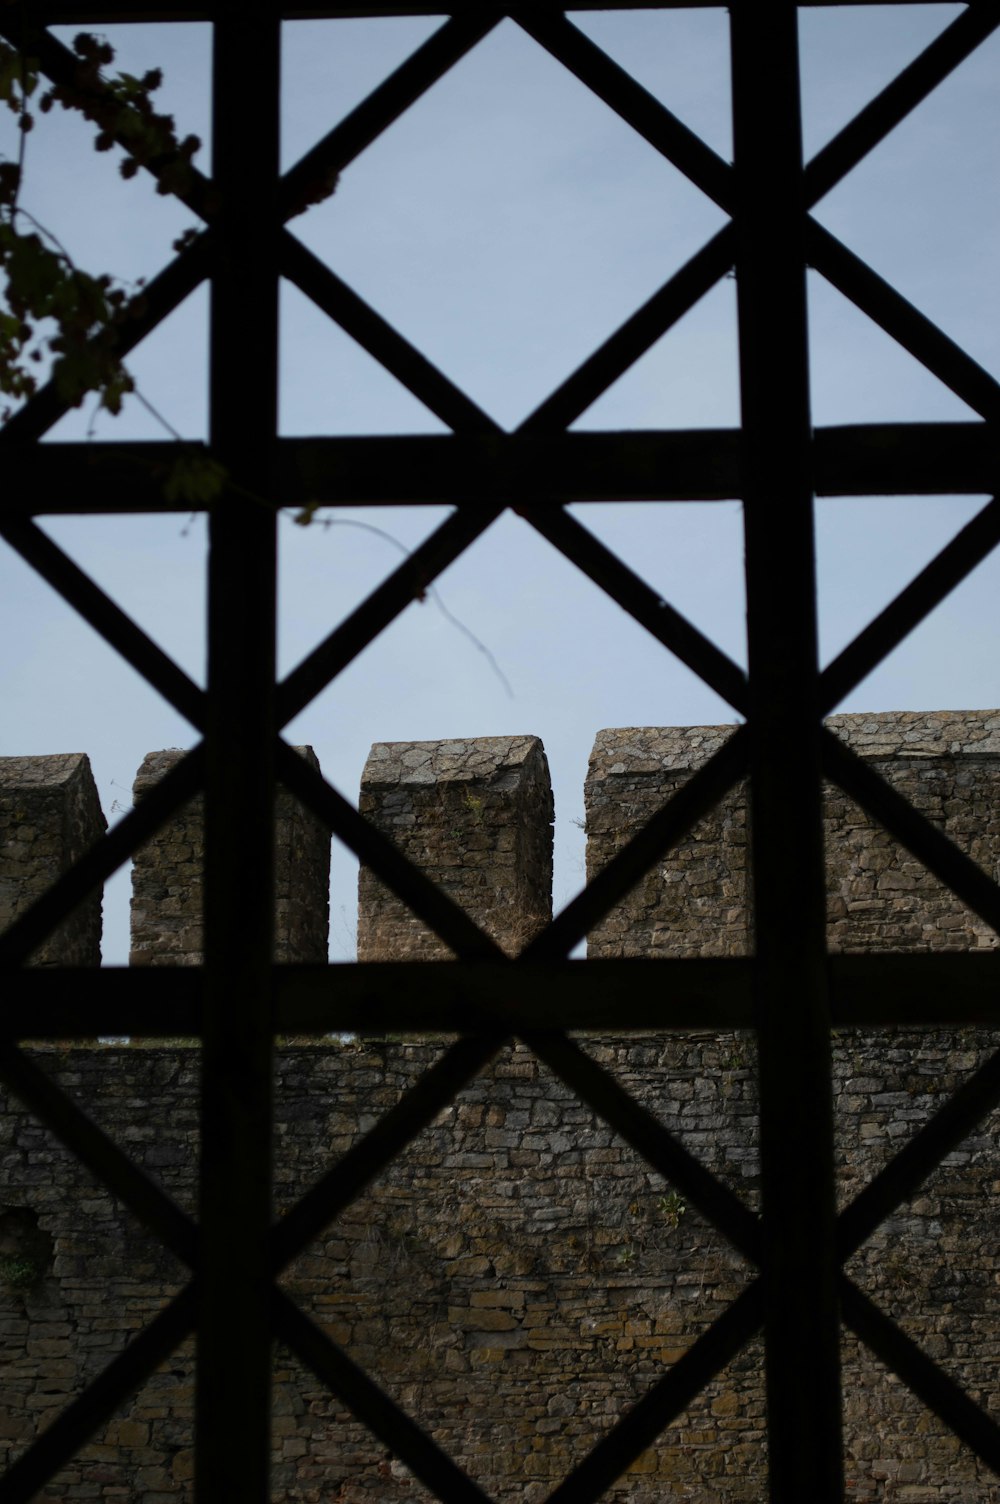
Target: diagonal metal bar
column 648, row 324
column 897, row 1181
column 911, row 606
column 641, row 602
column 648, row 1137
column 427, row 901
column 74, row 1427
column 687, row 804
column 54, row 905
column 903, row 322
column 672, row 1394
column 119, row 630
column 61, row 66
column 406, row 584
column 627, row 97
column 372, row 1406
column 374, row 334
column 882, row 114
column 366, row 1159
column 166, row 291
column 911, row 829
column 348, row 139
column 928, row 1382
column 92, row 1146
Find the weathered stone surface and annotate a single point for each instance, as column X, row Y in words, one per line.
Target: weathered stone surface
column 696, row 900
column 476, row 816
column 50, row 815
column 167, row 928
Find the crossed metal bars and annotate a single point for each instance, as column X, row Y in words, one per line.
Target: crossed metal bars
column 790, row 991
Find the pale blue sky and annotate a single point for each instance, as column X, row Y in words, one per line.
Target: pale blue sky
column 508, row 223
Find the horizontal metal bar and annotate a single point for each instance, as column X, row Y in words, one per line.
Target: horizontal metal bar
column 374, row 334
column 85, row 1005
column 429, row 902
column 58, row 901
column 882, row 114
column 911, row 829
column 695, row 798
column 408, row 582
column 366, row 1159
column 75, row 1425
column 669, row 1397
column 372, row 1406
column 932, row 1386
column 385, row 104
column 91, row 1145
column 101, row 612
column 644, row 604
column 648, row 1137
column 72, row 12
column 485, row 469
column 906, row 1171
column 900, row 990
column 927, row 590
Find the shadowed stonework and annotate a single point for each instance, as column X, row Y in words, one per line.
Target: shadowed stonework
column 50, row 815
column 167, row 927
column 476, row 817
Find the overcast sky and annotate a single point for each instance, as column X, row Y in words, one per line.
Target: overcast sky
column 507, row 224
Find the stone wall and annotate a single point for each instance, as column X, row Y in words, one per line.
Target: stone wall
column 518, row 1276
column 50, row 814
column 167, row 928
column 476, row 816
column 698, row 900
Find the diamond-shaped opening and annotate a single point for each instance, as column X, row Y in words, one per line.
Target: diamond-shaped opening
column 858, row 374
column 848, row 57
column 680, row 56
column 514, row 1280
column 79, row 1276
column 571, row 668
column 868, row 549
column 879, row 896
column 170, row 371
column 688, row 379
column 528, row 236
column 887, row 1085
column 331, row 385
column 916, row 208
column 895, row 1445
column 329, row 67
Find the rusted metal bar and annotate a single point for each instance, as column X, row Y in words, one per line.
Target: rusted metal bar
column 642, row 1424
column 97, row 608
column 54, row 905
column 75, row 1425
column 233, row 1365
column 928, row 589
column 642, row 603
column 801, row 1331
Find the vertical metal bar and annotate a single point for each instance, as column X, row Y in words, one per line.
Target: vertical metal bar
column 801, row 1329
column 232, row 1411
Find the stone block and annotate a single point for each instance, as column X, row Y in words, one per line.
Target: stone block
column 50, row 815
column 474, row 815
column 167, row 875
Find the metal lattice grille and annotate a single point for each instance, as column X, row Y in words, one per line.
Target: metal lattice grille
column 789, row 991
